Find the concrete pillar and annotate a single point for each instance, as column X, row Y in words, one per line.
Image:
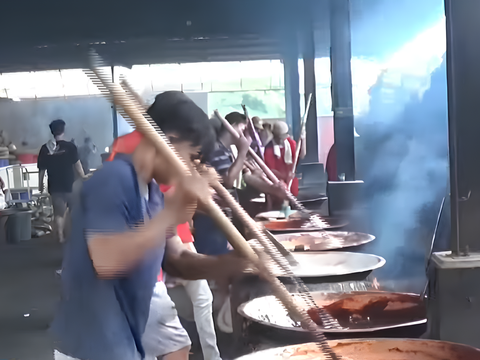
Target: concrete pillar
column 292, row 93
column 463, row 78
column 342, row 103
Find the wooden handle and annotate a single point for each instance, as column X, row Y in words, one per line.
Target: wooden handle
column 303, row 123
column 129, row 89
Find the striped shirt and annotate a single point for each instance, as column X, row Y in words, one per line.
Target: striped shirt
column 221, row 158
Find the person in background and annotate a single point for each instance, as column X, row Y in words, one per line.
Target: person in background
column 85, row 153
column 331, row 163
column 263, row 129
column 59, row 159
column 279, row 155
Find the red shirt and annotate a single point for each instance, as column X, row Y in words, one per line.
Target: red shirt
column 126, row 145
column 278, row 163
column 331, row 165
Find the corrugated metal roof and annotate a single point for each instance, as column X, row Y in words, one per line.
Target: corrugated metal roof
column 55, row 34
column 58, row 33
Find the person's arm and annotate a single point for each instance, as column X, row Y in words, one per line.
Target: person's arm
column 113, row 248
column 41, row 179
column 79, row 169
column 114, row 255
column 237, row 166
column 259, row 183
column 188, row 265
column 77, row 163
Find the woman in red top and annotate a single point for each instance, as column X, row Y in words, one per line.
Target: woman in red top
column 198, row 290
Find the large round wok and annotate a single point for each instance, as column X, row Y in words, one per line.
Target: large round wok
column 373, row 349
column 333, row 263
column 278, row 223
column 323, row 240
column 355, row 312
column 302, row 224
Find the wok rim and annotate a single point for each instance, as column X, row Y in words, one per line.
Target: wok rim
column 381, row 263
column 268, row 351
column 370, row 236
column 241, row 311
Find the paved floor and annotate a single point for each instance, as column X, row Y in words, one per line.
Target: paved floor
column 29, row 289
column 28, row 292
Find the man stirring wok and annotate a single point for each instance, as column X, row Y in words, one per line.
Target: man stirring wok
column 122, row 232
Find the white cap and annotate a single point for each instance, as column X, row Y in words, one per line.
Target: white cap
column 280, row 128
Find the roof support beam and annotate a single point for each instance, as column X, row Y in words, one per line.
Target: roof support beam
column 342, row 101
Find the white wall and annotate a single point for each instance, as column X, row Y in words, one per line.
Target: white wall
column 27, row 121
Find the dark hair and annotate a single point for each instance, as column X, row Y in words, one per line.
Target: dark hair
column 57, row 127
column 236, row 118
column 174, row 112
column 233, row 118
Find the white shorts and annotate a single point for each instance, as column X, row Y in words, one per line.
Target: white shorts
column 164, row 333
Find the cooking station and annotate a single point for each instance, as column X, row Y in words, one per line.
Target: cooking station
column 332, row 259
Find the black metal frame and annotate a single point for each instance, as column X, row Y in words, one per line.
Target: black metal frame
column 463, row 78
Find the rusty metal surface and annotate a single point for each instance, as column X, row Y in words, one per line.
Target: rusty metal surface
column 374, row 349
column 402, row 310
column 322, row 240
column 293, row 224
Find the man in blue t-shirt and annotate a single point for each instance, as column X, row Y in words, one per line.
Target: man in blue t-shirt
column 119, row 241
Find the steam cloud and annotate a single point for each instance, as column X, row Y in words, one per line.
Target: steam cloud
column 403, row 158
